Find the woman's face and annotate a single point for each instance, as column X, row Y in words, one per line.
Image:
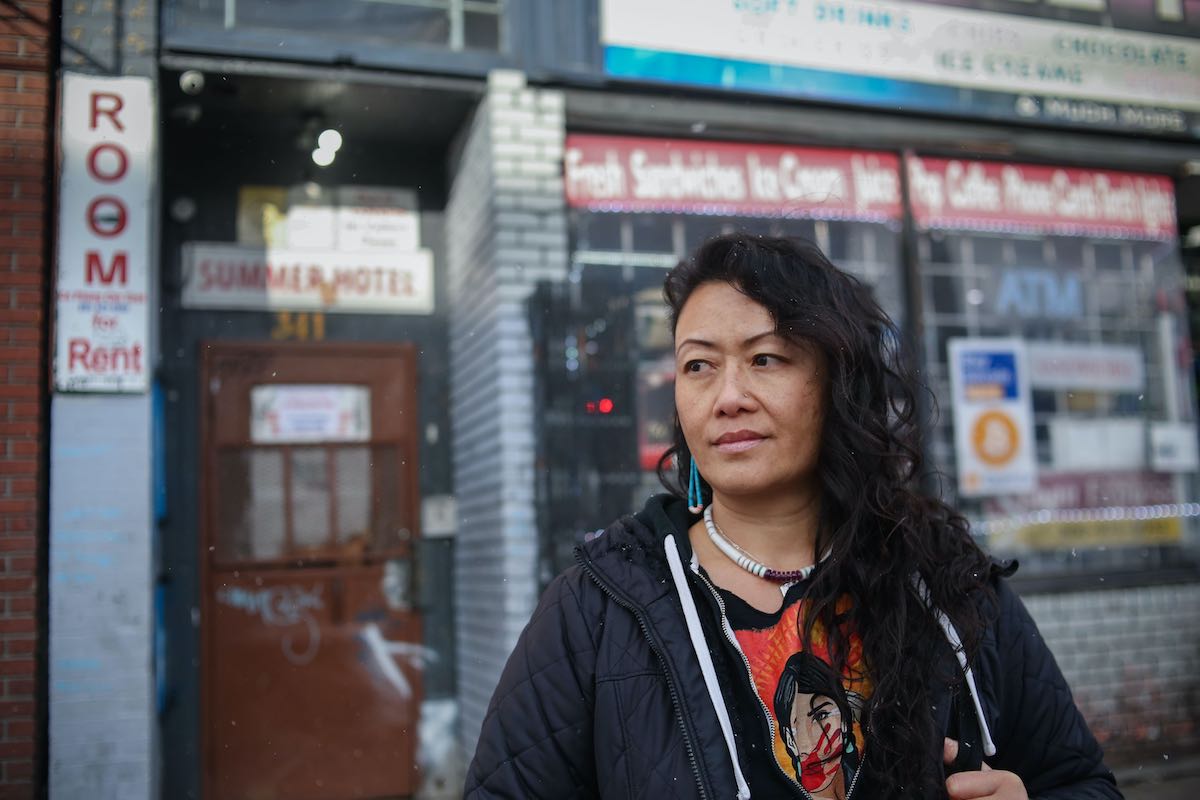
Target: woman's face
column 817, row 731
column 750, row 402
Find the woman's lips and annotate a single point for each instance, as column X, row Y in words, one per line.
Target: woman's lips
column 738, row 443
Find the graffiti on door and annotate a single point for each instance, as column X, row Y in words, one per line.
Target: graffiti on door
column 383, row 653
column 288, row 607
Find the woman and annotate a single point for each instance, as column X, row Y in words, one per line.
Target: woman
column 654, row 667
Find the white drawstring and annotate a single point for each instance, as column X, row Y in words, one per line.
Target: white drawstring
column 700, row 645
column 951, row 634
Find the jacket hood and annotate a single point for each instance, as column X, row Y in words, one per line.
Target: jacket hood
column 629, row 557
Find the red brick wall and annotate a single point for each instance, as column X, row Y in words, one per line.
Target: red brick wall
column 26, row 39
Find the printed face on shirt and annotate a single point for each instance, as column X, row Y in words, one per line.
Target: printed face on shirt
column 815, row 729
column 750, row 402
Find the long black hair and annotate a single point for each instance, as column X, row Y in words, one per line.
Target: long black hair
column 876, row 523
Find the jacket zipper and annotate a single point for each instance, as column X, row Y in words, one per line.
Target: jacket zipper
column 654, row 646
column 729, row 635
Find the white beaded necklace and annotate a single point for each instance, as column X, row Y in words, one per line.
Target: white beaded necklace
column 747, row 562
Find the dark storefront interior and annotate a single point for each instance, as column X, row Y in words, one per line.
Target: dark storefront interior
column 253, row 131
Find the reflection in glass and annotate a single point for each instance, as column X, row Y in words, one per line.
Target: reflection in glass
column 339, row 502
column 352, row 490
column 250, row 507
column 310, row 499
column 1100, row 302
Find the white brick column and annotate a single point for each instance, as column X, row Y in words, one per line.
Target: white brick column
column 506, row 230
column 102, row 719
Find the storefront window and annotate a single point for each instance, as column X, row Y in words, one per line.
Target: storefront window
column 1055, row 341
column 605, row 366
column 449, row 24
column 304, row 344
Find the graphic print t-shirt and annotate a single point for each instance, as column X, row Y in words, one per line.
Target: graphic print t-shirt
column 816, row 712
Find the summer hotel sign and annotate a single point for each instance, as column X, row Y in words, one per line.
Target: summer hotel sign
column 1016, row 64
column 351, row 249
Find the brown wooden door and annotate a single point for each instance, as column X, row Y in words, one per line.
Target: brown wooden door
column 312, row 651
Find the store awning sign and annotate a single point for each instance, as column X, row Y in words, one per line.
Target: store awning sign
column 1088, row 367
column 619, row 173
column 229, row 276
column 985, row 196
column 1122, row 66
column 1097, row 445
column 993, row 421
column 106, row 148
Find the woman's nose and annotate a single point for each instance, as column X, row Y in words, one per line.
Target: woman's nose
column 734, row 397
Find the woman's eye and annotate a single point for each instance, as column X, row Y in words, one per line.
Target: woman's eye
column 693, row 366
column 764, row 360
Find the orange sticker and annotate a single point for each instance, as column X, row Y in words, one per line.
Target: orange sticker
column 995, row 438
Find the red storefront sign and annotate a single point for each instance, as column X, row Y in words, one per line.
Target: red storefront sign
column 616, row 173
column 982, row 195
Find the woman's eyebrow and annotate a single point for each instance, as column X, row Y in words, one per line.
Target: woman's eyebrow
column 758, row 336
column 693, row 341
column 705, row 343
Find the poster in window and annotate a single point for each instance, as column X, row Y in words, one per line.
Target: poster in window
column 305, row 413
column 656, row 409
column 993, row 426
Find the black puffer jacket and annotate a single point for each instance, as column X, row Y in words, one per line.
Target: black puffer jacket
column 604, row 696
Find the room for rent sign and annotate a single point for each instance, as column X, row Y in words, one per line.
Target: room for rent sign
column 105, row 159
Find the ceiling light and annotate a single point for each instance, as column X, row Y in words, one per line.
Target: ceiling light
column 323, row 157
column 329, row 140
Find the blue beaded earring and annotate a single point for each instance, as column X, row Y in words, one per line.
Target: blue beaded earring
column 695, row 498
